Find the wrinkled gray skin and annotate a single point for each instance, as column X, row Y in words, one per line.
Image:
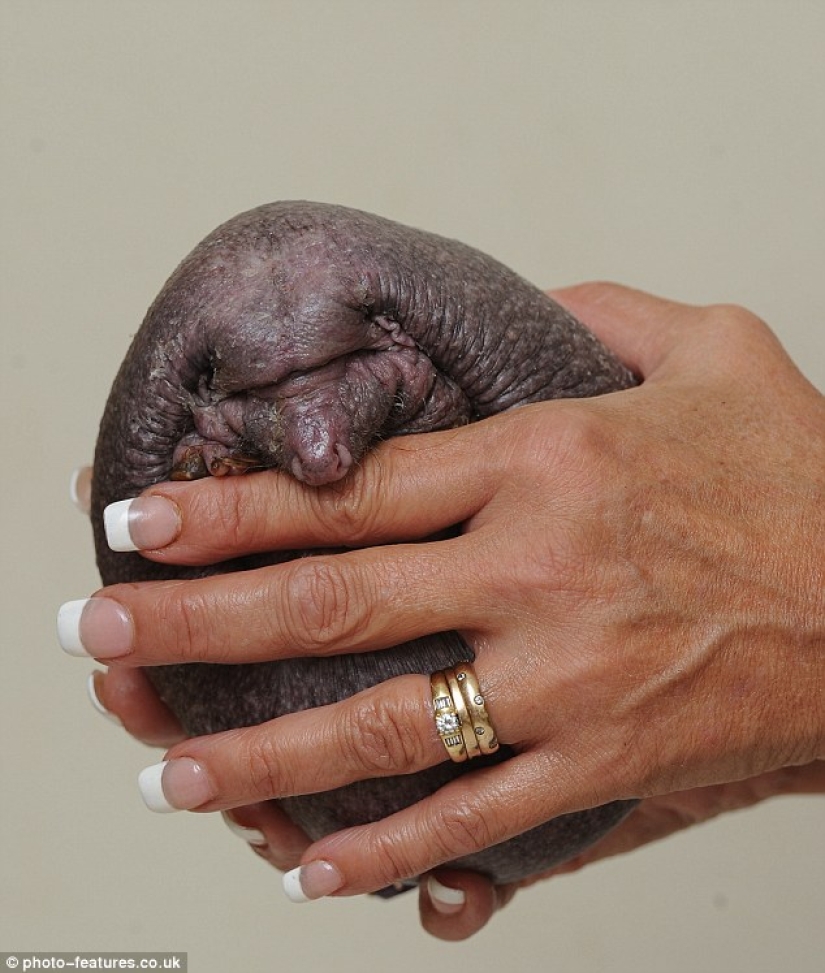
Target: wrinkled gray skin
column 296, row 336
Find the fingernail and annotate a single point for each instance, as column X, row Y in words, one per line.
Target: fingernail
column 141, row 524
column 175, row 785
column 98, row 627
column 445, row 900
column 80, row 488
column 91, row 689
column 250, row 835
column 312, row 881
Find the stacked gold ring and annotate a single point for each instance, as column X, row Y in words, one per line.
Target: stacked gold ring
column 461, row 717
column 447, row 720
column 482, row 726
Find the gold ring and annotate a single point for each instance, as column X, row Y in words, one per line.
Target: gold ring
column 482, row 726
column 447, row 720
column 461, row 717
column 460, row 704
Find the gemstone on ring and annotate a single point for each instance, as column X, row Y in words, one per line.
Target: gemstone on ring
column 447, row 722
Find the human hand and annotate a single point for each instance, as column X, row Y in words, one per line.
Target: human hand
column 638, row 576
column 454, row 904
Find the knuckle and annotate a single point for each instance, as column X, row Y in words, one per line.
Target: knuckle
column 463, row 829
column 391, row 859
column 226, row 513
column 562, row 443
column 266, row 772
column 585, row 440
column 736, row 325
column 426, row 841
column 734, row 317
column 381, row 739
column 194, row 632
column 231, row 515
column 347, row 510
column 324, row 604
column 735, row 339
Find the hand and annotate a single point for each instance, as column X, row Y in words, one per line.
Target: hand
column 471, row 900
column 639, row 575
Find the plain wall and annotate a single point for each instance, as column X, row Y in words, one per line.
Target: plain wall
column 678, row 147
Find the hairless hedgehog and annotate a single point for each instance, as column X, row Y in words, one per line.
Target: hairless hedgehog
column 295, row 337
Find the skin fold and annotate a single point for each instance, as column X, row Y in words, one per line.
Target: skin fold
column 296, row 337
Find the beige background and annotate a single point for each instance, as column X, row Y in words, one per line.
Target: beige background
column 679, row 147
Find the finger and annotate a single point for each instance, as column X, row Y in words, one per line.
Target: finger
column 454, row 905
column 351, row 602
column 128, row 695
column 645, row 331
column 640, row 328
column 94, row 685
column 467, row 815
column 385, row 731
column 269, row 833
column 406, row 489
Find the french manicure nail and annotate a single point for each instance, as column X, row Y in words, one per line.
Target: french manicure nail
column 175, row 785
column 98, row 627
column 312, row 881
column 141, row 524
column 151, row 789
column 80, row 488
column 250, row 835
column 444, row 899
column 91, row 689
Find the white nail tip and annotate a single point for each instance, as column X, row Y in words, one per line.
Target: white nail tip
column 68, row 627
column 443, row 894
column 292, row 886
column 250, row 835
column 82, row 503
column 95, row 701
column 116, row 525
column 151, row 789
